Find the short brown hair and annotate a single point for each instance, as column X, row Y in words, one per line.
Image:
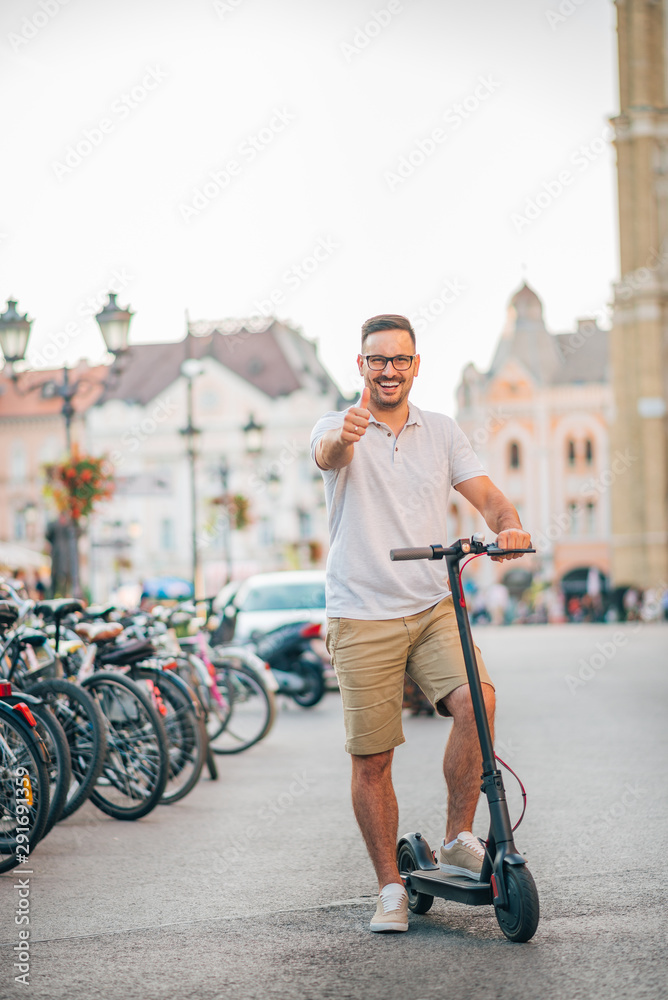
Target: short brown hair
column 387, row 321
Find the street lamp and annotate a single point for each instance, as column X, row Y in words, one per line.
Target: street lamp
column 222, row 470
column 190, row 369
column 14, row 333
column 114, row 324
column 253, row 433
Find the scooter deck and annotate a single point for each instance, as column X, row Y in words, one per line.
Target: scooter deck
column 434, row 882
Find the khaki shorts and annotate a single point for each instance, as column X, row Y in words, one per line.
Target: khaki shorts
column 370, row 658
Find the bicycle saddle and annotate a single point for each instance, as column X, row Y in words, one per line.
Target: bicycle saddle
column 98, row 631
column 58, row 607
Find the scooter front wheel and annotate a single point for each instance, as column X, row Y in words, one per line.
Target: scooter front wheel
column 520, row 920
column 418, row 902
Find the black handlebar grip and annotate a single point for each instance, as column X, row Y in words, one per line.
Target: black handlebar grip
column 423, row 552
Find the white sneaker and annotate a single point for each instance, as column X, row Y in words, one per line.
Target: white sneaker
column 464, row 856
column 392, row 910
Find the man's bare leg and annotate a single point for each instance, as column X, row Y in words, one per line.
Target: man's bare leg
column 377, row 813
column 462, row 762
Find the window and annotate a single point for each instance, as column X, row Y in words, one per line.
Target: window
column 18, row 463
column 514, row 455
column 589, row 451
column 167, row 534
column 305, row 524
column 590, row 518
column 19, row 525
column 283, row 597
column 570, row 452
column 266, row 532
column 573, row 518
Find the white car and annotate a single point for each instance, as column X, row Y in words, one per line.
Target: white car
column 265, row 601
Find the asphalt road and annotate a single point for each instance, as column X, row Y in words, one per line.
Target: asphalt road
column 257, row 886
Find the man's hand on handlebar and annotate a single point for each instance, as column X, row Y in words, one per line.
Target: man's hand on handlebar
column 512, row 538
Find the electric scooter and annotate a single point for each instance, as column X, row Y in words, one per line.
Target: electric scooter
column 505, row 881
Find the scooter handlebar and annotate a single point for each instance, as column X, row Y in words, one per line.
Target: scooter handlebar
column 494, row 550
column 427, row 552
column 421, row 552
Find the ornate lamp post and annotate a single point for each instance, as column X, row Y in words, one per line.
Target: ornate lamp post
column 190, row 369
column 114, row 324
column 15, row 329
column 14, row 333
column 254, row 433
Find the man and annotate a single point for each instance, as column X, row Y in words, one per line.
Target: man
column 388, row 468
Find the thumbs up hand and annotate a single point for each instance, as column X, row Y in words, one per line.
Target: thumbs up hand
column 356, row 419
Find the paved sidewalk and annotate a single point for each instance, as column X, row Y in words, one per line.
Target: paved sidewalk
column 258, row 886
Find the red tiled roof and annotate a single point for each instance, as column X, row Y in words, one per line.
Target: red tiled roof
column 24, row 398
column 250, row 349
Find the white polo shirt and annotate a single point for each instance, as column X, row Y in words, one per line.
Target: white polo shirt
column 393, row 494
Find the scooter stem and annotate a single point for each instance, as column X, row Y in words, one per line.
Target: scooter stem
column 477, row 700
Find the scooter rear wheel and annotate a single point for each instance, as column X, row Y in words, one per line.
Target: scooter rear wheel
column 418, row 902
column 520, row 920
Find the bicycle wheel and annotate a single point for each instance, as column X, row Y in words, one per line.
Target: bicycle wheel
column 60, row 761
column 253, row 710
column 86, row 731
column 136, row 766
column 24, row 789
column 183, row 719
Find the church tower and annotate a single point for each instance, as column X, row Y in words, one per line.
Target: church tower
column 639, row 339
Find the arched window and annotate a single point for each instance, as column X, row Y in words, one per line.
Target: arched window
column 574, row 511
column 514, row 457
column 570, row 452
column 589, row 451
column 18, row 462
column 590, row 511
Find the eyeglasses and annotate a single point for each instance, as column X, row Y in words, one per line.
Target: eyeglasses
column 400, row 362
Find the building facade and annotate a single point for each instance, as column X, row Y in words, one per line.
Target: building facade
column 257, row 389
column 539, row 420
column 639, row 340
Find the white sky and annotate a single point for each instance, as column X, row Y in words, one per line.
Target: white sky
column 353, row 114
